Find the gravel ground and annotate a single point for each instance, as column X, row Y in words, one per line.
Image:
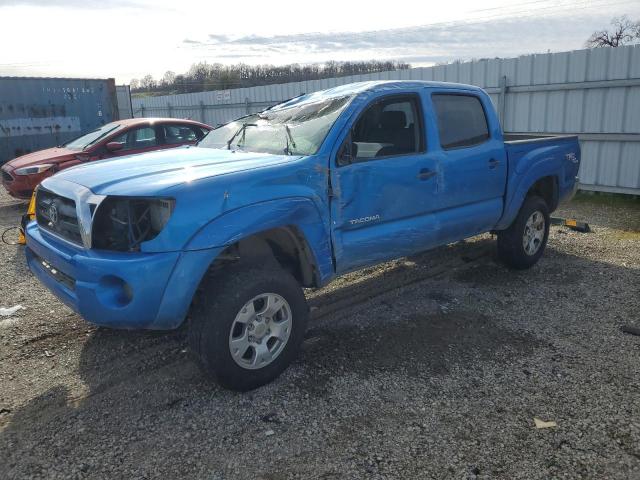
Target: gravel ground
column 427, row 367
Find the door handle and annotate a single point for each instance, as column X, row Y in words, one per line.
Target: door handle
column 493, row 163
column 426, row 174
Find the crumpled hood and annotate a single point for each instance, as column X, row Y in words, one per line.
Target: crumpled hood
column 48, row 155
column 155, row 172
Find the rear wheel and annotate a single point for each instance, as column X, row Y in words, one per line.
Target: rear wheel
column 522, row 244
column 247, row 325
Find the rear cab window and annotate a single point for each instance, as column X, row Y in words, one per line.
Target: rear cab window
column 461, row 119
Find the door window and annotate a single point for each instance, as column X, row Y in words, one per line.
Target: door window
column 176, row 134
column 389, row 127
column 136, row 139
column 461, row 120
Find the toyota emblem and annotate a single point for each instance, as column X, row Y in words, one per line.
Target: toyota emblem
column 53, row 214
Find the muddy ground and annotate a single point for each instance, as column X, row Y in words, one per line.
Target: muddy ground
column 427, row 367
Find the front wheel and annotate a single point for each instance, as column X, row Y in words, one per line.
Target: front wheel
column 522, row 244
column 247, row 325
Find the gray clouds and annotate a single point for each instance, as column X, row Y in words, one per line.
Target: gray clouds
column 420, row 44
column 79, row 4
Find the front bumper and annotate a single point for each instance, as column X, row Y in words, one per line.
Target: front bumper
column 21, row 186
column 118, row 290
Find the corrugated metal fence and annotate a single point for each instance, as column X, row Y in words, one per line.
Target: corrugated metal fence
column 592, row 93
column 125, row 107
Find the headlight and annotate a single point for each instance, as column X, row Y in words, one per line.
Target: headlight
column 123, row 223
column 33, row 169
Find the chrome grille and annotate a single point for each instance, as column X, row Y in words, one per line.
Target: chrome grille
column 57, row 214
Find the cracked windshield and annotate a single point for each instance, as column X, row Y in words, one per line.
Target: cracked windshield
column 290, row 130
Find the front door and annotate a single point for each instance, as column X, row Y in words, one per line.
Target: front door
column 384, row 192
column 137, row 140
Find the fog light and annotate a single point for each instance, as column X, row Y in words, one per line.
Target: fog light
column 114, row 292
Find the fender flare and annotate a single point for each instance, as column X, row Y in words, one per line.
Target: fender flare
column 539, row 170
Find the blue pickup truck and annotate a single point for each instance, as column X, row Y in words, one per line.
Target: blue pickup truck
column 227, row 233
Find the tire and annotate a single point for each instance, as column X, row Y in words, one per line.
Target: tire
column 235, row 300
column 513, row 248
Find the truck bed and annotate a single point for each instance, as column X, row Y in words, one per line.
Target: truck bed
column 560, row 155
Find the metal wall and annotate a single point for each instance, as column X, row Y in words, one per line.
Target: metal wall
column 37, row 113
column 594, row 93
column 125, row 108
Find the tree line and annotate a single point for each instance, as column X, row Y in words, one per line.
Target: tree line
column 205, row 76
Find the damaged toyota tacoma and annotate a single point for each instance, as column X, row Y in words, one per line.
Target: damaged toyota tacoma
column 227, row 233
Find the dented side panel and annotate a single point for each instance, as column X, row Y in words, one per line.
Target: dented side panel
column 297, row 212
column 378, row 209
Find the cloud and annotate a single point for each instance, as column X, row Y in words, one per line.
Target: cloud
column 83, row 4
column 419, row 44
column 219, row 38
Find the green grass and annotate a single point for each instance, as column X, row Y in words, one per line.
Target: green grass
column 608, row 199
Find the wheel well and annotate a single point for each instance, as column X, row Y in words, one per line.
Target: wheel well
column 547, row 189
column 286, row 246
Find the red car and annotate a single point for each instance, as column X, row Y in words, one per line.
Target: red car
column 124, row 137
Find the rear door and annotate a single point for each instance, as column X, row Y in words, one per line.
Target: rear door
column 473, row 163
column 384, row 183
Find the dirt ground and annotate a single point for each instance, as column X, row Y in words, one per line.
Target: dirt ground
column 427, row 367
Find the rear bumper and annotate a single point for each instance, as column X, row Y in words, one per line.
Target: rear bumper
column 571, row 192
column 118, row 290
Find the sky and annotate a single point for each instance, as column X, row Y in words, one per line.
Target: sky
column 125, row 39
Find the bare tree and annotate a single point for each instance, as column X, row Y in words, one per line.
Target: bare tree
column 147, row 82
column 168, row 78
column 624, row 31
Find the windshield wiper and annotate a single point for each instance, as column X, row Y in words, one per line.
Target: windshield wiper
column 290, row 140
column 240, row 130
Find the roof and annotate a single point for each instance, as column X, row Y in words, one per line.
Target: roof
column 377, row 85
column 371, row 86
column 143, row 120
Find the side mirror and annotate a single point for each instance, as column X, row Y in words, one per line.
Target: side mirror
column 114, row 146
